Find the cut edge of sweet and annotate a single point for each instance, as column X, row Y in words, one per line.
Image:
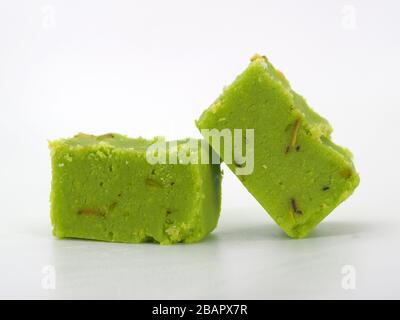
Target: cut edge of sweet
column 300, row 231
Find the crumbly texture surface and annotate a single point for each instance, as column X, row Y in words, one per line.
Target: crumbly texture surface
column 103, row 188
column 299, row 174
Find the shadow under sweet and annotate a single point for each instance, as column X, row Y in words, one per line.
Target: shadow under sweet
column 268, row 230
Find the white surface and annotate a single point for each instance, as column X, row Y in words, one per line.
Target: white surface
column 150, row 68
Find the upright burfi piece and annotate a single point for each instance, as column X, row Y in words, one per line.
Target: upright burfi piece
column 104, row 188
column 299, row 174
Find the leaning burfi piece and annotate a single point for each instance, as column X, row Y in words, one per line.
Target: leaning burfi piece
column 299, row 174
column 105, row 188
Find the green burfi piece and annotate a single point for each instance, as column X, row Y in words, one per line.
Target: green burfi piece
column 104, row 188
column 299, row 174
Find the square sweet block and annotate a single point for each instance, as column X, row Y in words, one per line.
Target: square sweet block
column 104, row 188
column 299, row 174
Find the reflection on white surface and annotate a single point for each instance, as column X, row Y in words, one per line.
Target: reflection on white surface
column 244, row 258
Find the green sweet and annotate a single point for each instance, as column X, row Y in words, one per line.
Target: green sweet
column 103, row 188
column 299, row 174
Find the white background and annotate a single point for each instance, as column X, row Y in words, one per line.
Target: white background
column 149, row 68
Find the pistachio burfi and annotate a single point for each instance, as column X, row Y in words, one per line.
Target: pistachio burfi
column 104, row 188
column 299, row 174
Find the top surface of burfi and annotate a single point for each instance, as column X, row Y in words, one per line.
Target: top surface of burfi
column 317, row 122
column 115, row 141
column 111, row 139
